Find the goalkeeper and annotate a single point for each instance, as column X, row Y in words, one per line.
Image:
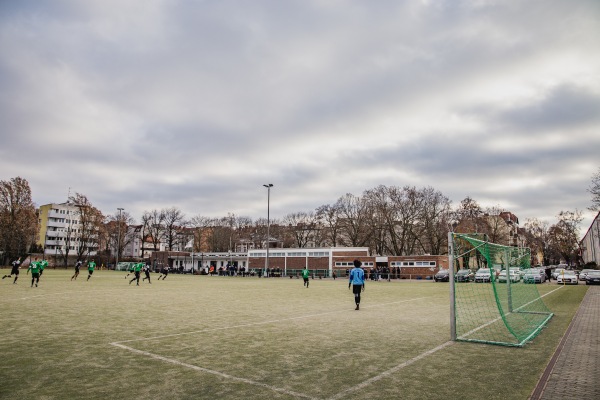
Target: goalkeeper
column 357, row 281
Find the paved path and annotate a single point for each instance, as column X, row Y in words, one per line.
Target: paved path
column 574, row 370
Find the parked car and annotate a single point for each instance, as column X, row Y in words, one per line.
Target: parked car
column 464, row 275
column 542, row 273
column 483, row 275
column 593, row 278
column 557, row 271
column 567, row 276
column 583, row 273
column 515, row 275
column 534, row 276
column 443, row 275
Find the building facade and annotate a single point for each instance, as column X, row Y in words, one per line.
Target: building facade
column 60, row 231
column 323, row 262
column 590, row 244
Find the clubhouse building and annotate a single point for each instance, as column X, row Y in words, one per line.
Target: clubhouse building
column 322, row 262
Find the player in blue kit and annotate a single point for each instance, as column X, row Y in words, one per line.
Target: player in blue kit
column 357, row 281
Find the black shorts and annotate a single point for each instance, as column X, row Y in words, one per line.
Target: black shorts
column 356, row 289
column 15, row 271
column 305, row 279
column 35, row 275
column 90, row 271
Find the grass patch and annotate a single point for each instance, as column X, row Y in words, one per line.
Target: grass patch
column 234, row 338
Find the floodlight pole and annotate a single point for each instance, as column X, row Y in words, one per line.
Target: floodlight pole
column 192, row 255
column 118, row 238
column 268, row 186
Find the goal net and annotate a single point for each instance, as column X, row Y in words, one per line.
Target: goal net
column 494, row 305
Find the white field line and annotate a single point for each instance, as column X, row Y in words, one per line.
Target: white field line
column 472, row 331
column 390, row 371
column 273, row 321
column 217, row 373
column 227, row 376
column 340, row 395
column 412, row 360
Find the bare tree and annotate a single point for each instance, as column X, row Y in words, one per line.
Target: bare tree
column 85, row 226
column 18, row 220
column 354, row 221
column 240, row 227
column 302, row 226
column 564, row 235
column 537, row 233
column 119, row 236
column 173, row 222
column 468, row 216
column 328, row 217
column 434, row 219
column 154, row 227
column 494, row 226
column 201, row 228
column 220, row 234
column 468, row 219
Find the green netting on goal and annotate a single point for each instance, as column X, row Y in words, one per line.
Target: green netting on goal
column 509, row 313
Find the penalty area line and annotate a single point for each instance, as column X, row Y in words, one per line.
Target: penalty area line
column 390, row 371
column 216, row 373
column 411, row 361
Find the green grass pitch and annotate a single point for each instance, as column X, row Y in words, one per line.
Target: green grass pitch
column 200, row 337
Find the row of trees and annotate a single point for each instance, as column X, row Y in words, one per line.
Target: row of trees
column 389, row 220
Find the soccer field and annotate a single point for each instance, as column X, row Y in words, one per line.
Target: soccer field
column 249, row 338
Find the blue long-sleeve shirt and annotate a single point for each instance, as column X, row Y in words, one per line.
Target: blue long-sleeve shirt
column 357, row 276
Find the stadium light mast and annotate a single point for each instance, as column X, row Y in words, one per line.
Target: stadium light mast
column 268, row 186
column 118, row 238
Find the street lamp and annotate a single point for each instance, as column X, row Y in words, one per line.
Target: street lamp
column 192, row 256
column 268, row 186
column 118, row 238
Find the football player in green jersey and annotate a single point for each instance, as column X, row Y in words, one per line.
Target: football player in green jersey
column 91, row 266
column 136, row 271
column 305, row 276
column 34, row 266
column 43, row 264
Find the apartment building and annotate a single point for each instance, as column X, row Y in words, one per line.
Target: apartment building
column 590, row 244
column 60, row 230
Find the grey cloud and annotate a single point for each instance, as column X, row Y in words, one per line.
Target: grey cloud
column 565, row 106
column 192, row 104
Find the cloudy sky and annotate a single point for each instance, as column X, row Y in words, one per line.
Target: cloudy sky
column 196, row 104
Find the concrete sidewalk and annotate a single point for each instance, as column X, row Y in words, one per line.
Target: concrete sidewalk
column 574, row 370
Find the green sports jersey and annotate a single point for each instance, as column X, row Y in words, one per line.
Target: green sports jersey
column 43, row 264
column 138, row 267
column 305, row 273
column 34, row 266
column 91, row 266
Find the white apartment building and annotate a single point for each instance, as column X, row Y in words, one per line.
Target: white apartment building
column 60, row 228
column 590, row 244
